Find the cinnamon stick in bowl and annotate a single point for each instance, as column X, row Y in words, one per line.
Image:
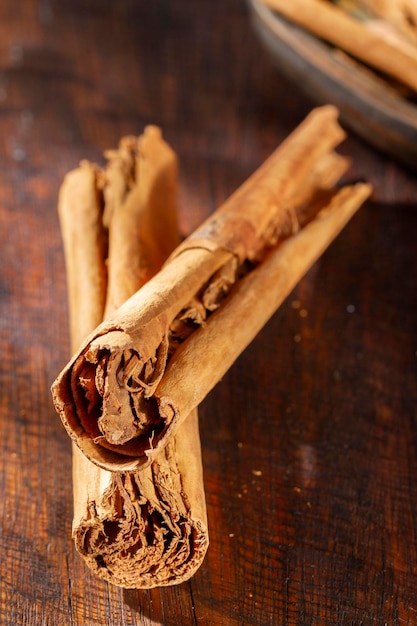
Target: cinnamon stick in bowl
column 109, row 395
column 390, row 55
column 147, row 529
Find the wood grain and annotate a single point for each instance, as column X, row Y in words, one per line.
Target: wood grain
column 311, row 471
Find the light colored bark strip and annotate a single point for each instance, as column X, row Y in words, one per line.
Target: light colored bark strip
column 85, row 244
column 334, row 25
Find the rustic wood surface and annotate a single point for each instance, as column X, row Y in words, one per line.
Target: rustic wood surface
column 310, row 441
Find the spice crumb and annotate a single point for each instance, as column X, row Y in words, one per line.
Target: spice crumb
column 297, row 489
column 297, row 338
column 231, row 534
column 256, row 472
column 295, row 304
column 303, row 313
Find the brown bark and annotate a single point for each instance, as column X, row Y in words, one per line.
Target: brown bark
column 122, row 363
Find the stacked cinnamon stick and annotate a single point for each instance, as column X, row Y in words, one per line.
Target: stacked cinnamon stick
column 128, row 397
column 118, row 226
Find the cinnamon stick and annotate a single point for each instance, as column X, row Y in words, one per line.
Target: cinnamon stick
column 401, row 14
column 142, row 220
column 85, row 243
column 234, row 325
column 148, row 529
column 334, row 25
column 121, row 365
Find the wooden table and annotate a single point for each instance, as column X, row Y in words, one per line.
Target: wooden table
column 311, row 470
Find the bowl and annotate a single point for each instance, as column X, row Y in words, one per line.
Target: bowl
column 369, row 105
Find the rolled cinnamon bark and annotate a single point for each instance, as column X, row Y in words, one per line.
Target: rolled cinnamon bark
column 106, row 394
column 251, row 303
column 148, row 529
